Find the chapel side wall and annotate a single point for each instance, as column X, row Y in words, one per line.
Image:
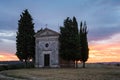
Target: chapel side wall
column 36, row 52
column 64, row 63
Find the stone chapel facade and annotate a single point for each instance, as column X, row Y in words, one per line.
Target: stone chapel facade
column 47, row 48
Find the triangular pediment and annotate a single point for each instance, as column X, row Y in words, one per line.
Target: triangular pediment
column 46, row 32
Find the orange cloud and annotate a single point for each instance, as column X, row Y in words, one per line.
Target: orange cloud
column 105, row 50
column 5, row 56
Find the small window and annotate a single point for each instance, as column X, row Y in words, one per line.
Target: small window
column 46, row 45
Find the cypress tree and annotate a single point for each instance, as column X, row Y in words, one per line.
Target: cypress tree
column 64, row 40
column 25, row 41
column 76, row 42
column 69, row 40
column 84, row 50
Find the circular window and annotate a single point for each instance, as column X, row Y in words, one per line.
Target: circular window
column 46, row 45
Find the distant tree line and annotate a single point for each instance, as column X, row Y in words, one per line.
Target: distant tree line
column 73, row 41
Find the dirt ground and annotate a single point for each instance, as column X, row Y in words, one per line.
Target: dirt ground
column 92, row 72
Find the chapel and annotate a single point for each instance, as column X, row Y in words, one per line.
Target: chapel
column 47, row 48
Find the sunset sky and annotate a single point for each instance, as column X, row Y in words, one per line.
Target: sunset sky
column 102, row 18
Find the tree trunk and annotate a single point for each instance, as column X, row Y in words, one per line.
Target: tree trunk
column 76, row 64
column 25, row 63
column 68, row 64
column 83, row 64
column 33, row 60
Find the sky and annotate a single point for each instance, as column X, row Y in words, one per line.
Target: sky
column 102, row 18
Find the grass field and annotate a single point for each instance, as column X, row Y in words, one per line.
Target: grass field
column 92, row 72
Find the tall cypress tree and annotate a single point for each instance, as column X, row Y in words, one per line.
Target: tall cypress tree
column 64, row 40
column 25, row 41
column 84, row 50
column 69, row 40
column 76, row 42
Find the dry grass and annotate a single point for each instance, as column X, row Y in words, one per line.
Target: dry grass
column 91, row 73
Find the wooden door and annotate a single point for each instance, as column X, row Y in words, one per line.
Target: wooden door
column 46, row 60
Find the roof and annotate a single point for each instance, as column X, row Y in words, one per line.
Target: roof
column 46, row 32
